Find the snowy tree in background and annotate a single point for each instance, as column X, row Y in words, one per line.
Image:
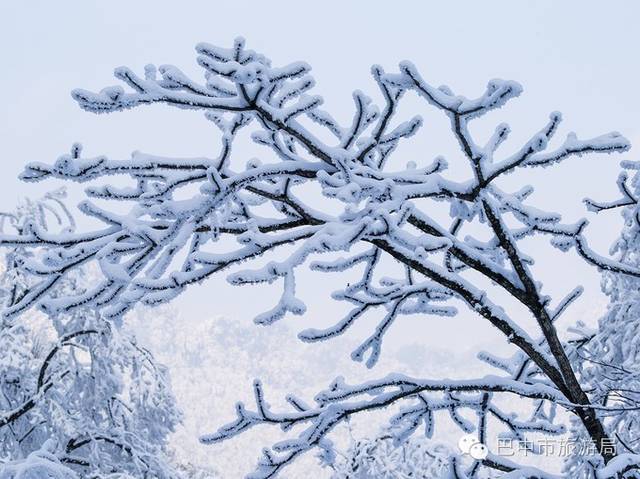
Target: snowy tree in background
column 608, row 357
column 381, row 458
column 40, row 464
column 213, row 360
column 189, row 219
column 76, row 393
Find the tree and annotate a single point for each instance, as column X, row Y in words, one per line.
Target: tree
column 213, row 360
column 40, row 464
column 374, row 211
column 75, row 391
column 379, row 457
column 607, row 357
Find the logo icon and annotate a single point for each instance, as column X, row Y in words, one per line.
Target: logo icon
column 469, row 444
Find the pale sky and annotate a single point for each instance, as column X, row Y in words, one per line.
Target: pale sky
column 578, row 57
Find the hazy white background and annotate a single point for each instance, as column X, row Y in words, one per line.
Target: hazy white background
column 579, row 57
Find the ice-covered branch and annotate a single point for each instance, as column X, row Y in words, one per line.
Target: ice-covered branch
column 341, row 401
column 181, row 221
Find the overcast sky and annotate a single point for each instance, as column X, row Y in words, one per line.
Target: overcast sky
column 579, row 57
column 576, row 57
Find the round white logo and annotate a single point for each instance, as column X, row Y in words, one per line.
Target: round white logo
column 469, row 444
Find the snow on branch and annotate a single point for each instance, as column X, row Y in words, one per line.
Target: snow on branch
column 186, row 219
column 341, row 401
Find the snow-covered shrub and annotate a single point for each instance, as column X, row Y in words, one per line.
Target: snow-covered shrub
column 608, row 357
column 40, row 464
column 381, row 458
column 74, row 382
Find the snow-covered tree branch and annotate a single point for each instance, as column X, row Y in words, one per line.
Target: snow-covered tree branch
column 192, row 218
column 78, row 396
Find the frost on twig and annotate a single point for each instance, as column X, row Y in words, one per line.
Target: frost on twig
column 80, row 398
column 185, row 212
